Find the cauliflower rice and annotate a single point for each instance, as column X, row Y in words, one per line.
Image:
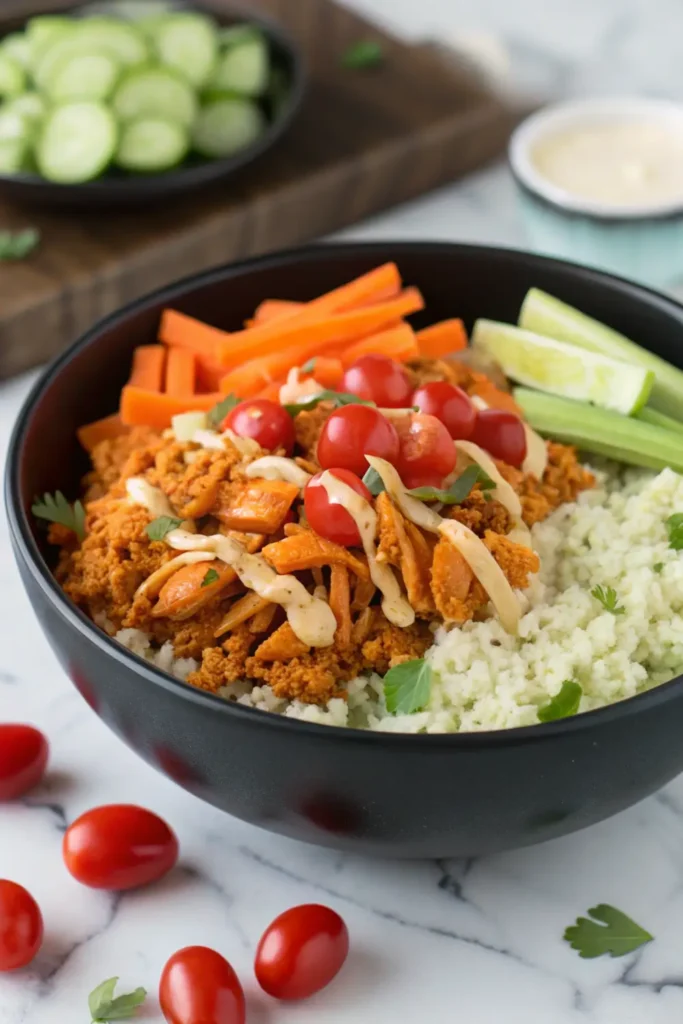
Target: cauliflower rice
column 614, row 536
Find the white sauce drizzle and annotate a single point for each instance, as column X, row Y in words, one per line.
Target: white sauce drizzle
column 502, row 492
column 394, row 605
column 209, row 439
column 152, row 498
column 244, row 445
column 153, row 584
column 295, row 389
column 277, row 467
column 311, row 619
column 476, row 554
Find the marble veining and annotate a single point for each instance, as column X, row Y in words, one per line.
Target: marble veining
column 476, row 941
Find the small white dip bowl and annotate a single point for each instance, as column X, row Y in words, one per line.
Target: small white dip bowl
column 641, row 239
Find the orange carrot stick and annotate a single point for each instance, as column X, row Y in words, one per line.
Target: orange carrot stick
column 325, row 332
column 441, row 339
column 272, row 309
column 186, row 332
column 397, row 342
column 495, row 398
column 152, row 409
column 101, row 430
column 148, row 367
column 327, row 370
column 208, row 373
column 180, row 372
column 271, row 391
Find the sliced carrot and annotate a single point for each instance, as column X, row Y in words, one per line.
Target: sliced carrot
column 398, row 342
column 101, row 430
column 148, row 367
column 186, row 332
column 326, row 332
column 273, row 309
column 180, row 372
column 441, row 339
column 327, row 370
column 496, row 398
column 152, row 409
column 208, row 373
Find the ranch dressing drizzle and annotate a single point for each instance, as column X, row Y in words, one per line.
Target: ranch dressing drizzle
column 141, row 492
column 153, row 584
column 476, row 554
column 396, row 608
column 277, row 467
column 311, row 619
column 502, row 492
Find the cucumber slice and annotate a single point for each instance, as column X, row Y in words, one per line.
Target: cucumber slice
column 601, row 431
column 14, row 125
column 17, row 46
column 235, row 35
column 546, row 315
column 188, row 42
column 151, row 145
column 12, row 76
column 119, row 39
column 77, row 143
column 86, row 77
column 225, row 126
column 13, row 153
column 43, row 30
column 563, row 369
column 155, row 92
column 29, row 105
column 648, row 415
column 244, row 68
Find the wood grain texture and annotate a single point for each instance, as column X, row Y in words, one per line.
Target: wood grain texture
column 364, row 141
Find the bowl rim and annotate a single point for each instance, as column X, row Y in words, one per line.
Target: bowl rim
column 33, row 561
column 549, row 119
column 204, row 172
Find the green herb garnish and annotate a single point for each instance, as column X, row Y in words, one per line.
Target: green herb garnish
column 366, row 53
column 337, row 398
column 563, row 705
column 607, row 596
column 216, row 415
column 459, row 489
column 657, row 567
column 674, row 527
column 17, row 245
column 407, row 687
column 56, row 509
column 105, row 1007
column 616, row 933
column 373, row 481
column 159, row 527
column 309, row 366
column 211, row 577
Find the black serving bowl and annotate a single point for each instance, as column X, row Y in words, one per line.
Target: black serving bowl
column 117, row 189
column 403, row 796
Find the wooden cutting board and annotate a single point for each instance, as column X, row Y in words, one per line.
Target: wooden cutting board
column 364, row 141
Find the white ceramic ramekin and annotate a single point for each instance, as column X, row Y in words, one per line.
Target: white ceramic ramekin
column 642, row 242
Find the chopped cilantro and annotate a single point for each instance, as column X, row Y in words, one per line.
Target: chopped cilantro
column 105, row 1007
column 211, row 577
column 607, row 596
column 56, row 509
column 564, row 704
column 159, row 527
column 407, row 687
column 216, row 415
column 609, row 931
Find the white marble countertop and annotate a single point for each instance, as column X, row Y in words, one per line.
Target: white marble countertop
column 477, row 941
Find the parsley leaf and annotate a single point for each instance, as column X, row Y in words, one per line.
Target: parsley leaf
column 56, row 509
column 216, row 415
column 657, row 567
column 607, row 596
column 338, row 398
column 309, row 366
column 211, row 577
column 373, row 481
column 159, row 527
column 17, row 245
column 617, row 934
column 674, row 527
column 366, row 53
column 459, row 489
column 563, row 705
column 407, row 687
column 104, row 1007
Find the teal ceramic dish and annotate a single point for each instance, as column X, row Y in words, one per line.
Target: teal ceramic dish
column 642, row 241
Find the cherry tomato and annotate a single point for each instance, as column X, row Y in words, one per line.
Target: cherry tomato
column 427, row 453
column 301, row 952
column 198, row 986
column 23, row 757
column 450, row 405
column 379, row 379
column 329, row 518
column 501, row 434
column 21, row 926
column 353, row 432
column 268, row 423
column 119, row 846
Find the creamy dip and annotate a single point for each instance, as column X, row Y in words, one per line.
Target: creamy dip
column 621, row 163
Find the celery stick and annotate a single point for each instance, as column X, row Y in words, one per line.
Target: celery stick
column 601, row 431
column 649, row 415
column 547, row 315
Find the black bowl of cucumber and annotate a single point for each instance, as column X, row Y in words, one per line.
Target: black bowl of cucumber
column 131, row 101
